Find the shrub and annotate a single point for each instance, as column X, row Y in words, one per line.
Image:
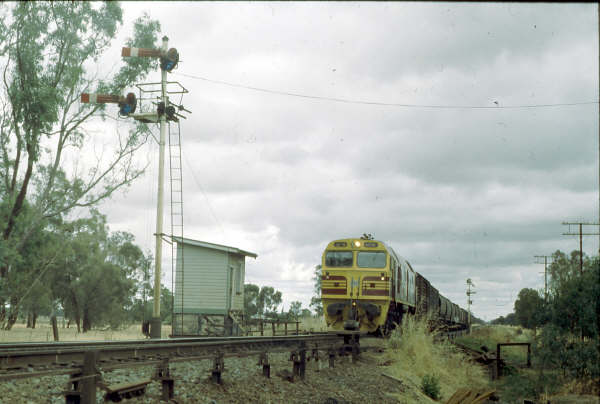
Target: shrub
column 431, row 386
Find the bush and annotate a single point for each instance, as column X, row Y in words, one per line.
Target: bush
column 431, row 386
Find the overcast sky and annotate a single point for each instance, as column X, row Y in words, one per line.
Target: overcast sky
column 458, row 192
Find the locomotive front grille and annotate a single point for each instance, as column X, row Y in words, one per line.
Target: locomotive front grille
column 334, row 285
column 374, row 286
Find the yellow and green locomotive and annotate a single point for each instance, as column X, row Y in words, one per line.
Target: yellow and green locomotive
column 365, row 286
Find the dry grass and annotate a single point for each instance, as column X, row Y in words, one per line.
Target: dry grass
column 414, row 354
column 492, row 335
column 43, row 333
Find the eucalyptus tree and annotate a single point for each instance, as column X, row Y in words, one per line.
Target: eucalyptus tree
column 47, row 53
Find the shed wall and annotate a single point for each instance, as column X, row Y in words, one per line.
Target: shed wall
column 204, row 278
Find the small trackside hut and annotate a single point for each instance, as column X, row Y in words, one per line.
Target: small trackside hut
column 209, row 289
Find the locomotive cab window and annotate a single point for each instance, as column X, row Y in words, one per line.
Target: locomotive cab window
column 338, row 259
column 367, row 259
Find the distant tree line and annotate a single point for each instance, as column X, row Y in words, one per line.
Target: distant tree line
column 566, row 322
column 263, row 302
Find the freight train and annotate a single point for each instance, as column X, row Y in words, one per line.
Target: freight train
column 366, row 286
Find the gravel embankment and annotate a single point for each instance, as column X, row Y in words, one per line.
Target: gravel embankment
column 242, row 383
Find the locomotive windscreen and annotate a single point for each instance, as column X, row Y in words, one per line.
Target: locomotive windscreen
column 338, row 259
column 371, row 259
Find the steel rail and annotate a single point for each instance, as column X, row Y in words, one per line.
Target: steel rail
column 35, row 355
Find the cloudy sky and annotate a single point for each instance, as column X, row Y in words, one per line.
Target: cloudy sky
column 459, row 192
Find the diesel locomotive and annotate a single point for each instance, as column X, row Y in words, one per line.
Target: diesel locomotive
column 366, row 286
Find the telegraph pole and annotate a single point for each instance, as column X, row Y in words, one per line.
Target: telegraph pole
column 545, row 257
column 581, row 234
column 469, row 301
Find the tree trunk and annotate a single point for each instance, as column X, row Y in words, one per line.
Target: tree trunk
column 28, row 320
column 13, row 314
column 33, row 319
column 54, row 327
column 76, row 311
column 86, row 320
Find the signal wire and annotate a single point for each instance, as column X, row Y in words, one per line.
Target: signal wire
column 203, row 193
column 387, row 104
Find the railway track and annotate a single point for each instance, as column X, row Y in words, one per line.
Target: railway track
column 85, row 362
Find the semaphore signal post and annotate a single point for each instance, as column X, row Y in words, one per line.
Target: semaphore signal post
column 470, row 292
column 164, row 112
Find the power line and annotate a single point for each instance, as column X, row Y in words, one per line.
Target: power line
column 386, row 104
column 203, row 193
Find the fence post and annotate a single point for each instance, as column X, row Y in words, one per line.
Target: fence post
column 529, row 355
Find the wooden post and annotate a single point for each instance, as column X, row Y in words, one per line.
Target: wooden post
column 302, row 360
column 498, row 368
column 355, row 349
column 331, row 354
column 54, row 327
column 264, row 361
column 262, row 331
column 273, row 327
column 297, row 327
column 286, row 327
column 528, row 355
column 218, row 366
column 88, row 383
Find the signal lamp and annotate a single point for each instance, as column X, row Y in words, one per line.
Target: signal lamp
column 127, row 105
column 170, row 60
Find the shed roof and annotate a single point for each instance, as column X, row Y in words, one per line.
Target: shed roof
column 213, row 246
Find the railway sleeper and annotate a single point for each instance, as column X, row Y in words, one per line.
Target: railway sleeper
column 118, row 392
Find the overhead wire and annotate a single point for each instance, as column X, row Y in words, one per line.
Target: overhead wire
column 203, row 193
column 385, row 104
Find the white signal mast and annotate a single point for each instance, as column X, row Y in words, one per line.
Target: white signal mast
column 127, row 106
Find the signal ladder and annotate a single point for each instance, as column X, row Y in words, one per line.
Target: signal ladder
column 176, row 183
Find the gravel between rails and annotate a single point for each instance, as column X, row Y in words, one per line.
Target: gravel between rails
column 242, row 382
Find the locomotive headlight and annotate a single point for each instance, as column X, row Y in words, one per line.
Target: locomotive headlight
column 357, row 243
column 353, row 303
column 382, row 276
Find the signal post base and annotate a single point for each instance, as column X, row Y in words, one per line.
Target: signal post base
column 155, row 328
